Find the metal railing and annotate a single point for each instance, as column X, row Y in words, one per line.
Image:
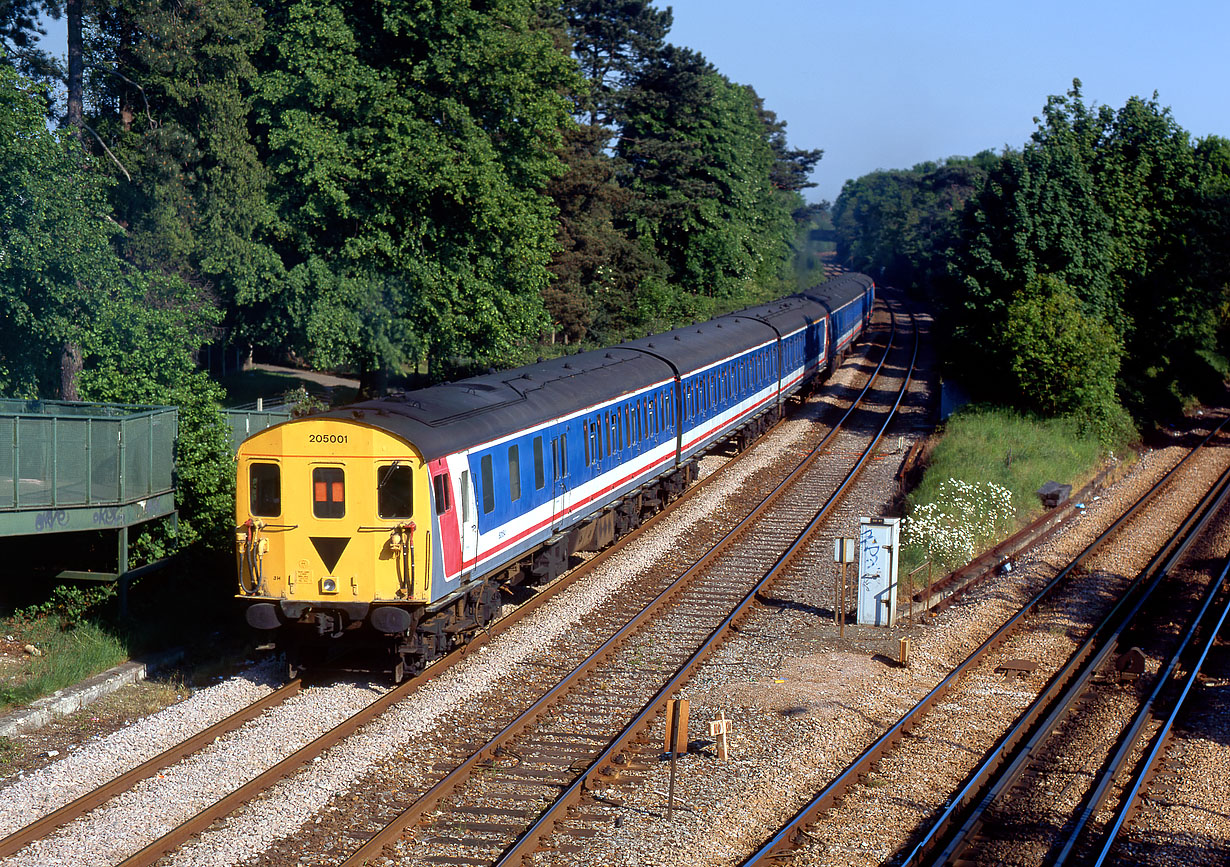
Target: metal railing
column 57, row 454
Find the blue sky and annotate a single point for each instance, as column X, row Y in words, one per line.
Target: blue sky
column 883, row 84
column 891, row 83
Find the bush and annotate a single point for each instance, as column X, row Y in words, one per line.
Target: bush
column 964, row 518
column 1063, row 360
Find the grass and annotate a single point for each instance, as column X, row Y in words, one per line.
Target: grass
column 68, row 656
column 1021, row 453
column 982, row 444
column 187, row 605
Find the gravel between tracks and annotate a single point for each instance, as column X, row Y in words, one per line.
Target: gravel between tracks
column 803, row 704
column 157, row 806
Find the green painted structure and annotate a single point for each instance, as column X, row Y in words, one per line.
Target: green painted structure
column 67, row 467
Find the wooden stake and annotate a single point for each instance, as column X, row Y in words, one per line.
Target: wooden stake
column 718, row 729
column 676, row 725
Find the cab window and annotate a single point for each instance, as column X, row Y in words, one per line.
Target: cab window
column 265, row 488
column 394, row 494
column 328, row 492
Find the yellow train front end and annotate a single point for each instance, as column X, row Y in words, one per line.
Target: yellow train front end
column 332, row 533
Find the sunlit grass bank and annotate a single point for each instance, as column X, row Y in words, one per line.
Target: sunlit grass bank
column 65, row 656
column 981, row 480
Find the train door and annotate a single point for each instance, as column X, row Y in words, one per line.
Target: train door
column 559, row 477
column 469, row 521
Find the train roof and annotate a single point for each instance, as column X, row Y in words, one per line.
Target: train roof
column 840, row 291
column 459, row 415
column 697, row 346
column 788, row 314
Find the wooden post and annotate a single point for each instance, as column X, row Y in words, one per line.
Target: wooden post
column 718, row 729
column 837, row 595
column 842, row 628
column 676, row 725
column 905, row 652
column 928, row 588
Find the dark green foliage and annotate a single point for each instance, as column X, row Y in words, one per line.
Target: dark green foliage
column 699, row 153
column 899, row 225
column 1105, row 203
column 1081, row 273
column 409, row 149
column 1065, row 359
column 62, row 280
column 19, row 38
column 612, row 41
column 170, row 90
column 598, row 268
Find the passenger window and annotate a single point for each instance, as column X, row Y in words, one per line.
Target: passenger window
column 488, row 485
column 514, row 473
column 540, row 476
column 443, row 493
column 328, row 492
column 265, row 488
column 394, row 492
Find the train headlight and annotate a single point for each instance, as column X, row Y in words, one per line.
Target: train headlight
column 328, row 585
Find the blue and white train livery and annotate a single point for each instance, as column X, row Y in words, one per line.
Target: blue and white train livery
column 397, row 521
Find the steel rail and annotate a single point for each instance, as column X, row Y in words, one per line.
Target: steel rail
column 960, row 581
column 1055, row 701
column 1129, row 801
column 195, row 825
column 41, row 828
column 783, row 839
column 392, row 831
column 523, row 847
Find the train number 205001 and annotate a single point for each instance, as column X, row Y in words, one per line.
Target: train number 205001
column 326, row 438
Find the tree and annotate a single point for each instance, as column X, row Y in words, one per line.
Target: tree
column 61, row 281
column 701, row 163
column 171, row 89
column 410, row 146
column 613, row 40
column 20, row 33
column 53, row 221
column 1064, row 361
column 898, row 225
column 597, row 269
column 1103, row 202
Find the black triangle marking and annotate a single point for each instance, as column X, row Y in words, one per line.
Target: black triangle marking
column 330, row 548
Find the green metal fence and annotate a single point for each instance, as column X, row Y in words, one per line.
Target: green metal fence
column 245, row 422
column 57, row 454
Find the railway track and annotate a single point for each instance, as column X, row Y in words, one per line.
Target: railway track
column 185, row 831
column 501, row 799
column 1164, row 799
column 1033, row 800
column 1093, row 596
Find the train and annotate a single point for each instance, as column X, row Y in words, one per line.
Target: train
column 397, row 526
